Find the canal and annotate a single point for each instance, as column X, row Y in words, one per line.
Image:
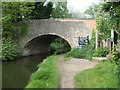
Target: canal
column 16, row 74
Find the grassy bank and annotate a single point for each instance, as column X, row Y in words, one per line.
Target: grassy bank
column 103, row 76
column 47, row 76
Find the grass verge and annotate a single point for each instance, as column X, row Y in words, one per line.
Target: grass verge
column 102, row 76
column 47, row 76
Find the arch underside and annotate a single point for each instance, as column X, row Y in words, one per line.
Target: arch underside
column 38, row 45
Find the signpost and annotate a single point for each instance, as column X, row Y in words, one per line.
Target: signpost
column 112, row 40
column 112, row 35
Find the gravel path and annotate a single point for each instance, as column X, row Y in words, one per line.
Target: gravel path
column 70, row 68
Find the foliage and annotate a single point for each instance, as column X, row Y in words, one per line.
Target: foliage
column 76, row 53
column 103, row 26
column 85, row 52
column 59, row 46
column 113, row 22
column 50, row 10
column 107, row 16
column 94, row 11
column 14, row 12
column 100, row 52
column 113, row 8
column 41, row 11
column 60, row 10
column 115, row 57
column 102, row 76
column 78, row 14
column 47, row 75
column 110, row 20
column 102, row 19
column 14, row 24
column 93, row 38
column 9, row 47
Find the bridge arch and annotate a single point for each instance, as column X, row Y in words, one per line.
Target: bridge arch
column 68, row 29
column 40, row 44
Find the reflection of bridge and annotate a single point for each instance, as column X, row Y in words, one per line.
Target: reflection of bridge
column 42, row 32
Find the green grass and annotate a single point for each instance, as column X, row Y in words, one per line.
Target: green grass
column 47, row 76
column 102, row 76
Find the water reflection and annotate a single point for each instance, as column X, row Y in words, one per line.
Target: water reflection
column 16, row 74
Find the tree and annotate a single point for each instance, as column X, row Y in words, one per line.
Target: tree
column 60, row 10
column 94, row 11
column 113, row 8
column 14, row 19
column 103, row 26
column 78, row 14
column 41, row 11
column 14, row 13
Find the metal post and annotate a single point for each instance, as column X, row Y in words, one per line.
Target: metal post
column 112, row 40
column 96, row 46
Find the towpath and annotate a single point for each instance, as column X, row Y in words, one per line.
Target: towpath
column 70, row 68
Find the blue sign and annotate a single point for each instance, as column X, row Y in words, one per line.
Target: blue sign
column 80, row 47
column 83, row 40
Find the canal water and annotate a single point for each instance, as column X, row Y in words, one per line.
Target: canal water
column 16, row 74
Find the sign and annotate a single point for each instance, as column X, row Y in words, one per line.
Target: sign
column 80, row 47
column 83, row 40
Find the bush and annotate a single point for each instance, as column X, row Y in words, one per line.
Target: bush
column 115, row 57
column 100, row 52
column 77, row 53
column 89, row 49
column 86, row 52
column 59, row 46
column 9, row 48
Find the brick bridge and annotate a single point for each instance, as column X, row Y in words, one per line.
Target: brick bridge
column 42, row 32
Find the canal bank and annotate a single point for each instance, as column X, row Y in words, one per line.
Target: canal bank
column 47, row 75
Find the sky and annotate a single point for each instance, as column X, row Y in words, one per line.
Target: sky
column 80, row 5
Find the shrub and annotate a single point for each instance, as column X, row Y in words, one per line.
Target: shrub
column 115, row 57
column 9, row 48
column 100, row 52
column 59, row 46
column 77, row 53
column 85, row 52
column 89, row 49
